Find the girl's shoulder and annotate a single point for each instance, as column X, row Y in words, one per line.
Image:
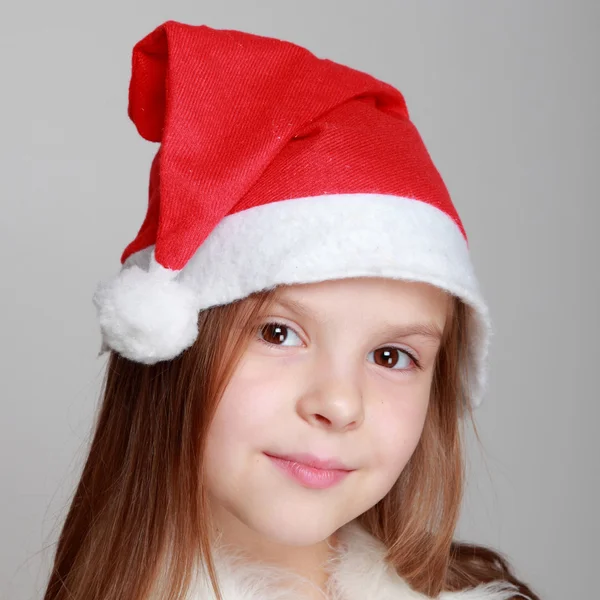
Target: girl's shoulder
column 361, row 571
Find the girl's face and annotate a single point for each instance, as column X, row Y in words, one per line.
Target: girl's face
column 340, row 372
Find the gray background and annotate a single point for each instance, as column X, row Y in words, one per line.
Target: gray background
column 505, row 95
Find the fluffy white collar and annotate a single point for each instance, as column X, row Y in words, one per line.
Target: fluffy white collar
column 357, row 572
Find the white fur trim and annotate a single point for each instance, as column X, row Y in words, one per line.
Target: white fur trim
column 314, row 239
column 497, row 590
column 357, row 571
column 147, row 315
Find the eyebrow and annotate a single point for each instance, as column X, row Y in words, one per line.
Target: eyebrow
column 428, row 330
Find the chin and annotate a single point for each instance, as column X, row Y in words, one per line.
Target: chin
column 294, row 525
column 296, row 534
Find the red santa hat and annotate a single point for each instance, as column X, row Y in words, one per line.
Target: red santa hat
column 274, row 167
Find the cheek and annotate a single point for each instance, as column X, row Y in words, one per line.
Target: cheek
column 250, row 408
column 397, row 426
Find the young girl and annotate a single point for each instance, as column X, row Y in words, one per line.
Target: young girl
column 297, row 339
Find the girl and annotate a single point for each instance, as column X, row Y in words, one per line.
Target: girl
column 297, row 338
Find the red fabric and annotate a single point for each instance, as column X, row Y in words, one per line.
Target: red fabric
column 245, row 120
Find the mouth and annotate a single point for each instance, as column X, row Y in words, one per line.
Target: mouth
column 310, row 471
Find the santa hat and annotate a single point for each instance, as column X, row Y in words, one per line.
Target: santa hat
column 274, row 167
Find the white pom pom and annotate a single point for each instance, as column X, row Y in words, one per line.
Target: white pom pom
column 147, row 316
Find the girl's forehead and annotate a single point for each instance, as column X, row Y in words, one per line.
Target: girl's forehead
column 383, row 288
column 366, row 296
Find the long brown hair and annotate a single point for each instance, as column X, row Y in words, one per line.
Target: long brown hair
column 141, row 487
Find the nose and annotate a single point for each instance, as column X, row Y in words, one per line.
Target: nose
column 333, row 401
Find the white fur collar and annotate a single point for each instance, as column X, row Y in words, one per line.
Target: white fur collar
column 358, row 572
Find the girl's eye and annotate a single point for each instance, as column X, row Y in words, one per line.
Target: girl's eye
column 279, row 334
column 393, row 358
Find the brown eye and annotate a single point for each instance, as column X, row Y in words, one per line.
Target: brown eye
column 279, row 334
column 392, row 358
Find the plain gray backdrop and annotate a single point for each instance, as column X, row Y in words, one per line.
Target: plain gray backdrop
column 505, row 95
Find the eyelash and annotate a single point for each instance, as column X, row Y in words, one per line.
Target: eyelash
column 410, row 355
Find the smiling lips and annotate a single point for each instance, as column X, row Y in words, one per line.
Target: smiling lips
column 310, row 471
